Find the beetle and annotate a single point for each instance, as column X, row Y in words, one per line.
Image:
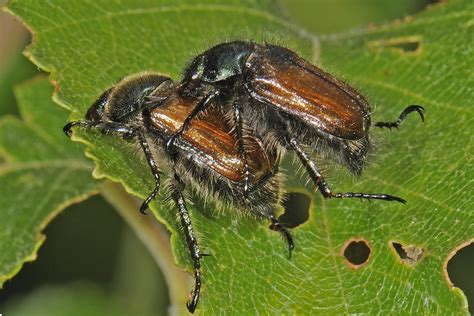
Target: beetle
column 286, row 100
column 147, row 108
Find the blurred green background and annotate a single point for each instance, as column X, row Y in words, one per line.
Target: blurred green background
column 91, row 262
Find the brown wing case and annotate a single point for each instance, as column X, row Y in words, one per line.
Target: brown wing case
column 211, row 136
column 305, row 91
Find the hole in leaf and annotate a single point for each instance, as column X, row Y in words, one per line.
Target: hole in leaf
column 409, row 255
column 404, row 45
column 296, row 206
column 356, row 251
column 458, row 270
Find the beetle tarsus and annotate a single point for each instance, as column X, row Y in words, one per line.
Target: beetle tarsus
column 277, row 226
column 144, row 207
column 191, row 241
column 154, row 170
column 194, row 295
column 409, row 109
column 368, row 196
column 67, row 128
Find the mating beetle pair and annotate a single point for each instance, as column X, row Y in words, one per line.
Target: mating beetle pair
column 222, row 130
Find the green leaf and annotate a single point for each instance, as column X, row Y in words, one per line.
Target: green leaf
column 41, row 176
column 345, row 14
column 19, row 69
column 88, row 45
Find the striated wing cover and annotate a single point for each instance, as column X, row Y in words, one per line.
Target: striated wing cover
column 210, row 140
column 282, row 79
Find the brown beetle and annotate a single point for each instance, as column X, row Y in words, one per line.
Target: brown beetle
column 147, row 107
column 286, row 100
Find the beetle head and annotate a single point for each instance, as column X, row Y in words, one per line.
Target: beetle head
column 124, row 100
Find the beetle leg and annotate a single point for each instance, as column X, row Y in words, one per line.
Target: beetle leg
column 154, row 172
column 403, row 115
column 323, row 186
column 114, row 127
column 202, row 105
column 193, row 247
column 127, row 133
column 67, row 128
column 240, row 141
column 277, row 226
